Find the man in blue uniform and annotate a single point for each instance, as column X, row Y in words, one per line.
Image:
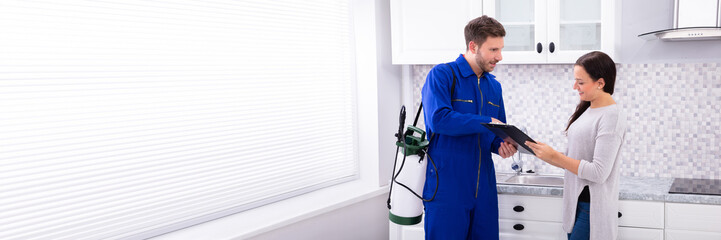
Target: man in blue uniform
column 466, row 205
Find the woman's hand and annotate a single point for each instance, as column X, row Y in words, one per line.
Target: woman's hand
column 544, row 152
column 553, row 157
column 506, row 150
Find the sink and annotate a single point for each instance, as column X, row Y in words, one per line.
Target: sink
column 537, row 180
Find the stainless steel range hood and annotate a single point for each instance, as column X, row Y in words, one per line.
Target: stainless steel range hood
column 693, row 20
column 685, row 34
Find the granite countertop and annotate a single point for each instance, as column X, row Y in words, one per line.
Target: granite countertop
column 631, row 188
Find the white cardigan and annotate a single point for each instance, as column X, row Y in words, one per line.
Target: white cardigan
column 595, row 138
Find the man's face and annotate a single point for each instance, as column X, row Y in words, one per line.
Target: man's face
column 489, row 53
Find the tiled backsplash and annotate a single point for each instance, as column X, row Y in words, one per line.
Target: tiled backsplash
column 673, row 110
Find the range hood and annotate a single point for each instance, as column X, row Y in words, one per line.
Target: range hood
column 692, row 20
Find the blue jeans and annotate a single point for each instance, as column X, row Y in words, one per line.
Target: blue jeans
column 582, row 228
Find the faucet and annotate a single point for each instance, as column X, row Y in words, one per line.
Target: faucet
column 517, row 164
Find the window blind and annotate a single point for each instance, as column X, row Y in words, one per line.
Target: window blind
column 122, row 117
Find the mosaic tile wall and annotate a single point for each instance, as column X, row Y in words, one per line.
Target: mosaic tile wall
column 674, row 114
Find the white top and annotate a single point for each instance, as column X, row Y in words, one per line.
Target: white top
column 595, row 138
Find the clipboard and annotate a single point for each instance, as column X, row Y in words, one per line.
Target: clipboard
column 511, row 134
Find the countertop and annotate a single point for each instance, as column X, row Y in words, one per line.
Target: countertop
column 631, row 188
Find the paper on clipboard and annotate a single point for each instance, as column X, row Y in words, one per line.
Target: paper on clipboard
column 511, row 134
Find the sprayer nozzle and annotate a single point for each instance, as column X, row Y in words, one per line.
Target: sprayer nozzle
column 401, row 123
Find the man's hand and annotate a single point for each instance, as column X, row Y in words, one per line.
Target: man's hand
column 506, row 150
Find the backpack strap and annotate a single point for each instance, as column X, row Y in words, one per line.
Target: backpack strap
column 453, row 85
column 453, row 88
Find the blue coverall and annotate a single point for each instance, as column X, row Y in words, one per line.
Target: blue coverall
column 466, row 205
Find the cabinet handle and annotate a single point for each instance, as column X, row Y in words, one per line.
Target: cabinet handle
column 518, row 227
column 619, row 214
column 551, row 47
column 539, row 48
column 518, row 208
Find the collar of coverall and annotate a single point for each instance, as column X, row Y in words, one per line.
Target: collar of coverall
column 465, row 68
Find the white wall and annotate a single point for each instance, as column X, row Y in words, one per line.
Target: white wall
column 361, row 221
column 389, row 92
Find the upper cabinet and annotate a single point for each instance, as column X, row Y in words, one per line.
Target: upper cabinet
column 430, row 31
column 555, row 31
column 537, row 31
column 526, row 24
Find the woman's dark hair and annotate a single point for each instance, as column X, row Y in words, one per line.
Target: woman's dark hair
column 480, row 28
column 597, row 65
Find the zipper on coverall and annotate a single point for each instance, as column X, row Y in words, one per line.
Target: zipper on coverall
column 480, row 151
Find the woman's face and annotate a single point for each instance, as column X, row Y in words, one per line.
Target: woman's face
column 587, row 89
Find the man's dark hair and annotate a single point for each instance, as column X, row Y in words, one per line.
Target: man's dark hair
column 481, row 28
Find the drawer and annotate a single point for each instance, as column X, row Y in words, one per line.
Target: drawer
column 695, row 235
column 524, row 229
column 522, row 207
column 645, row 214
column 695, row 217
column 629, row 233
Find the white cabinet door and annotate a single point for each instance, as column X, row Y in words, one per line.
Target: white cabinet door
column 693, row 221
column 530, row 230
column 562, row 30
column 430, row 31
column 549, row 209
column 640, row 220
column 525, row 24
column 576, row 27
column 530, row 217
column 672, row 234
column 694, row 13
column 629, row 233
column 693, row 217
column 644, row 214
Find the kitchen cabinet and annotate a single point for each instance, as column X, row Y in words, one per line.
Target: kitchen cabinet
column 692, row 221
column 529, row 230
column 430, row 31
column 536, row 217
column 540, row 217
column 520, row 217
column 537, row 31
column 637, row 219
column 640, row 220
column 695, row 235
column 631, row 233
column 530, row 217
column 555, row 31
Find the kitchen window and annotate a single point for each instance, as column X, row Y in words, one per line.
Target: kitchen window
column 119, row 118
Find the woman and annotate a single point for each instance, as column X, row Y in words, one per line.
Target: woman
column 595, row 133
